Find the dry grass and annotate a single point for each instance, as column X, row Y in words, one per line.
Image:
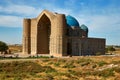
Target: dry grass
column 117, row 51
column 74, row 68
column 15, row 48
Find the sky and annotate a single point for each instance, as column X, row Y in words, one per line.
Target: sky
column 102, row 17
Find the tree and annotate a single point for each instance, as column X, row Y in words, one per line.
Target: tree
column 3, row 47
column 111, row 49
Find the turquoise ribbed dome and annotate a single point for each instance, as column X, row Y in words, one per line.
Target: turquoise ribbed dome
column 71, row 21
column 83, row 27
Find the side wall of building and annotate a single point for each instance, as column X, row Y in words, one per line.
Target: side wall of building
column 86, row 46
column 92, row 46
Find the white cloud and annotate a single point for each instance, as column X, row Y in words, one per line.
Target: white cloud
column 100, row 22
column 94, row 22
column 103, row 22
column 10, row 21
column 20, row 9
column 106, row 26
column 103, row 26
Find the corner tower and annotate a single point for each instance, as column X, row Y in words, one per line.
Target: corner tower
column 26, row 36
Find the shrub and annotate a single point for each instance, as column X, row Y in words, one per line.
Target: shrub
column 3, row 46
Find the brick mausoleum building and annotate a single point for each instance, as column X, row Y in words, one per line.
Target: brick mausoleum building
column 58, row 35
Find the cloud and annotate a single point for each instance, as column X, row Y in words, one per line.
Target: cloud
column 20, row 10
column 104, row 26
column 100, row 19
column 12, row 15
column 88, row 15
column 101, row 23
column 10, row 21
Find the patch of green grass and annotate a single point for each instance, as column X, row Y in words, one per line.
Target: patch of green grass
column 107, row 73
column 69, row 64
column 82, row 60
column 49, row 69
column 101, row 63
column 57, row 64
column 104, row 73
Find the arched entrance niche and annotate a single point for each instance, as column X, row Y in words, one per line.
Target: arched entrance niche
column 43, row 35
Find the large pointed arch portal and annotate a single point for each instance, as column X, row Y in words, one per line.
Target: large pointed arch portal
column 43, row 35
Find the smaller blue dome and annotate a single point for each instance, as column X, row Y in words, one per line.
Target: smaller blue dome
column 71, row 21
column 83, row 27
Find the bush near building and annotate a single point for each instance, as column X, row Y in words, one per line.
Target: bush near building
column 3, row 47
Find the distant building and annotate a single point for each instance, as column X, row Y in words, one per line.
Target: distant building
column 58, row 35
